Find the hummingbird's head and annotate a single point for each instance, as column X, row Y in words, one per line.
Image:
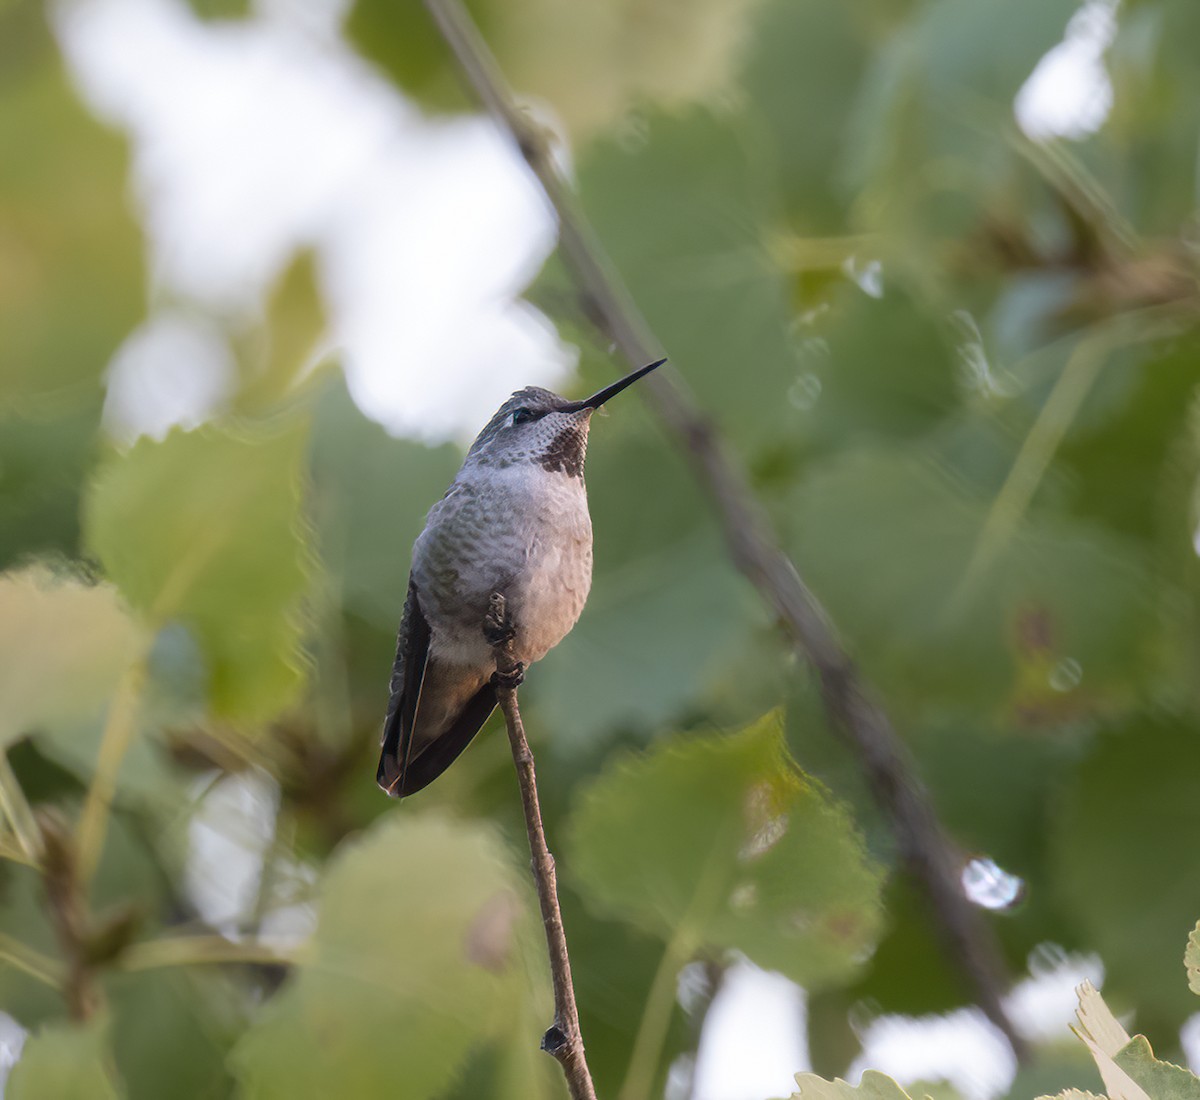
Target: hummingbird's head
column 535, row 425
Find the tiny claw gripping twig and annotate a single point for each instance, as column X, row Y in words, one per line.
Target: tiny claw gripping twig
column 510, row 680
column 498, row 627
column 500, row 632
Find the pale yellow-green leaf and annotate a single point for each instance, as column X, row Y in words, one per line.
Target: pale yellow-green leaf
column 65, row 1062
column 874, row 1086
column 590, row 62
column 63, row 646
column 71, row 283
column 1072, row 1094
column 206, row 528
column 723, row 841
column 1191, row 959
column 418, row 957
column 275, row 354
column 1105, row 1037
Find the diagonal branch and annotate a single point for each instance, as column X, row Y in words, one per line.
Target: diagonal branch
column 562, row 1040
column 753, row 546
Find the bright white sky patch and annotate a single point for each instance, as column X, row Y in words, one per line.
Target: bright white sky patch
column 963, row 1048
column 1043, row 1005
column 176, row 368
column 1189, row 1039
column 228, row 838
column 12, row 1039
column 1069, row 93
column 753, row 1042
column 254, row 139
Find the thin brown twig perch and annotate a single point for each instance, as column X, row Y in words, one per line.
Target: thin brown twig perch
column 563, row 1039
column 853, row 712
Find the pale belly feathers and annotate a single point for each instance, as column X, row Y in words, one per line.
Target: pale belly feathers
column 520, row 531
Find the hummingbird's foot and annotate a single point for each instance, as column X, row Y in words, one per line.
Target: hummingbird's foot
column 510, row 680
column 498, row 627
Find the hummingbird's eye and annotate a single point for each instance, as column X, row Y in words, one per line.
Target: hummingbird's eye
column 523, row 416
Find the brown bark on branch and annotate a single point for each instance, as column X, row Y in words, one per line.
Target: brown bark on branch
column 562, row 1040
column 854, row 714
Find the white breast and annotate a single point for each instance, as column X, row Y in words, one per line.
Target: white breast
column 522, row 531
column 550, row 592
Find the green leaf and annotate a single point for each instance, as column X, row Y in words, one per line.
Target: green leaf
column 417, row 958
column 1121, row 835
column 927, row 142
column 874, row 1086
column 23, row 918
column 276, row 354
column 70, row 255
column 1191, row 959
column 659, row 627
column 1161, row 1080
column 1147, row 149
column 1072, row 1094
column 1113, row 464
column 371, row 494
column 405, row 43
column 613, row 964
column 67, row 1063
column 940, row 602
column 814, row 52
column 45, row 456
column 722, row 842
column 589, row 63
column 220, row 9
column 1057, row 1069
column 173, row 1029
column 63, row 647
column 882, row 368
column 205, row 527
column 687, row 209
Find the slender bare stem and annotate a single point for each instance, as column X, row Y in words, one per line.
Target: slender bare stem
column 66, row 904
column 194, row 950
column 753, row 545
column 44, row 969
column 118, row 735
column 563, row 1039
column 656, row 1017
column 15, row 807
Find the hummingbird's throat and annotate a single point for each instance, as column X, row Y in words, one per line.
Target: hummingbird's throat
column 566, row 451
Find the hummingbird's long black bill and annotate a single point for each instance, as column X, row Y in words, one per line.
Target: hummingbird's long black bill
column 598, row 399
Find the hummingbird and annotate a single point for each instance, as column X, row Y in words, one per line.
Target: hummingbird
column 515, row 521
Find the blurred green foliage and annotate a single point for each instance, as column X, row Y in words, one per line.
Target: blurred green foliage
column 960, row 366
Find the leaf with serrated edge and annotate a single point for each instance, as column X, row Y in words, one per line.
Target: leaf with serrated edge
column 1072, row 1094
column 1162, row 1080
column 1191, row 959
column 874, row 1086
column 63, row 646
column 418, row 957
column 722, row 841
column 205, row 528
column 67, row 1063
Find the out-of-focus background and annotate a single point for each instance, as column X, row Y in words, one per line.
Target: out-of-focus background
column 931, row 269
